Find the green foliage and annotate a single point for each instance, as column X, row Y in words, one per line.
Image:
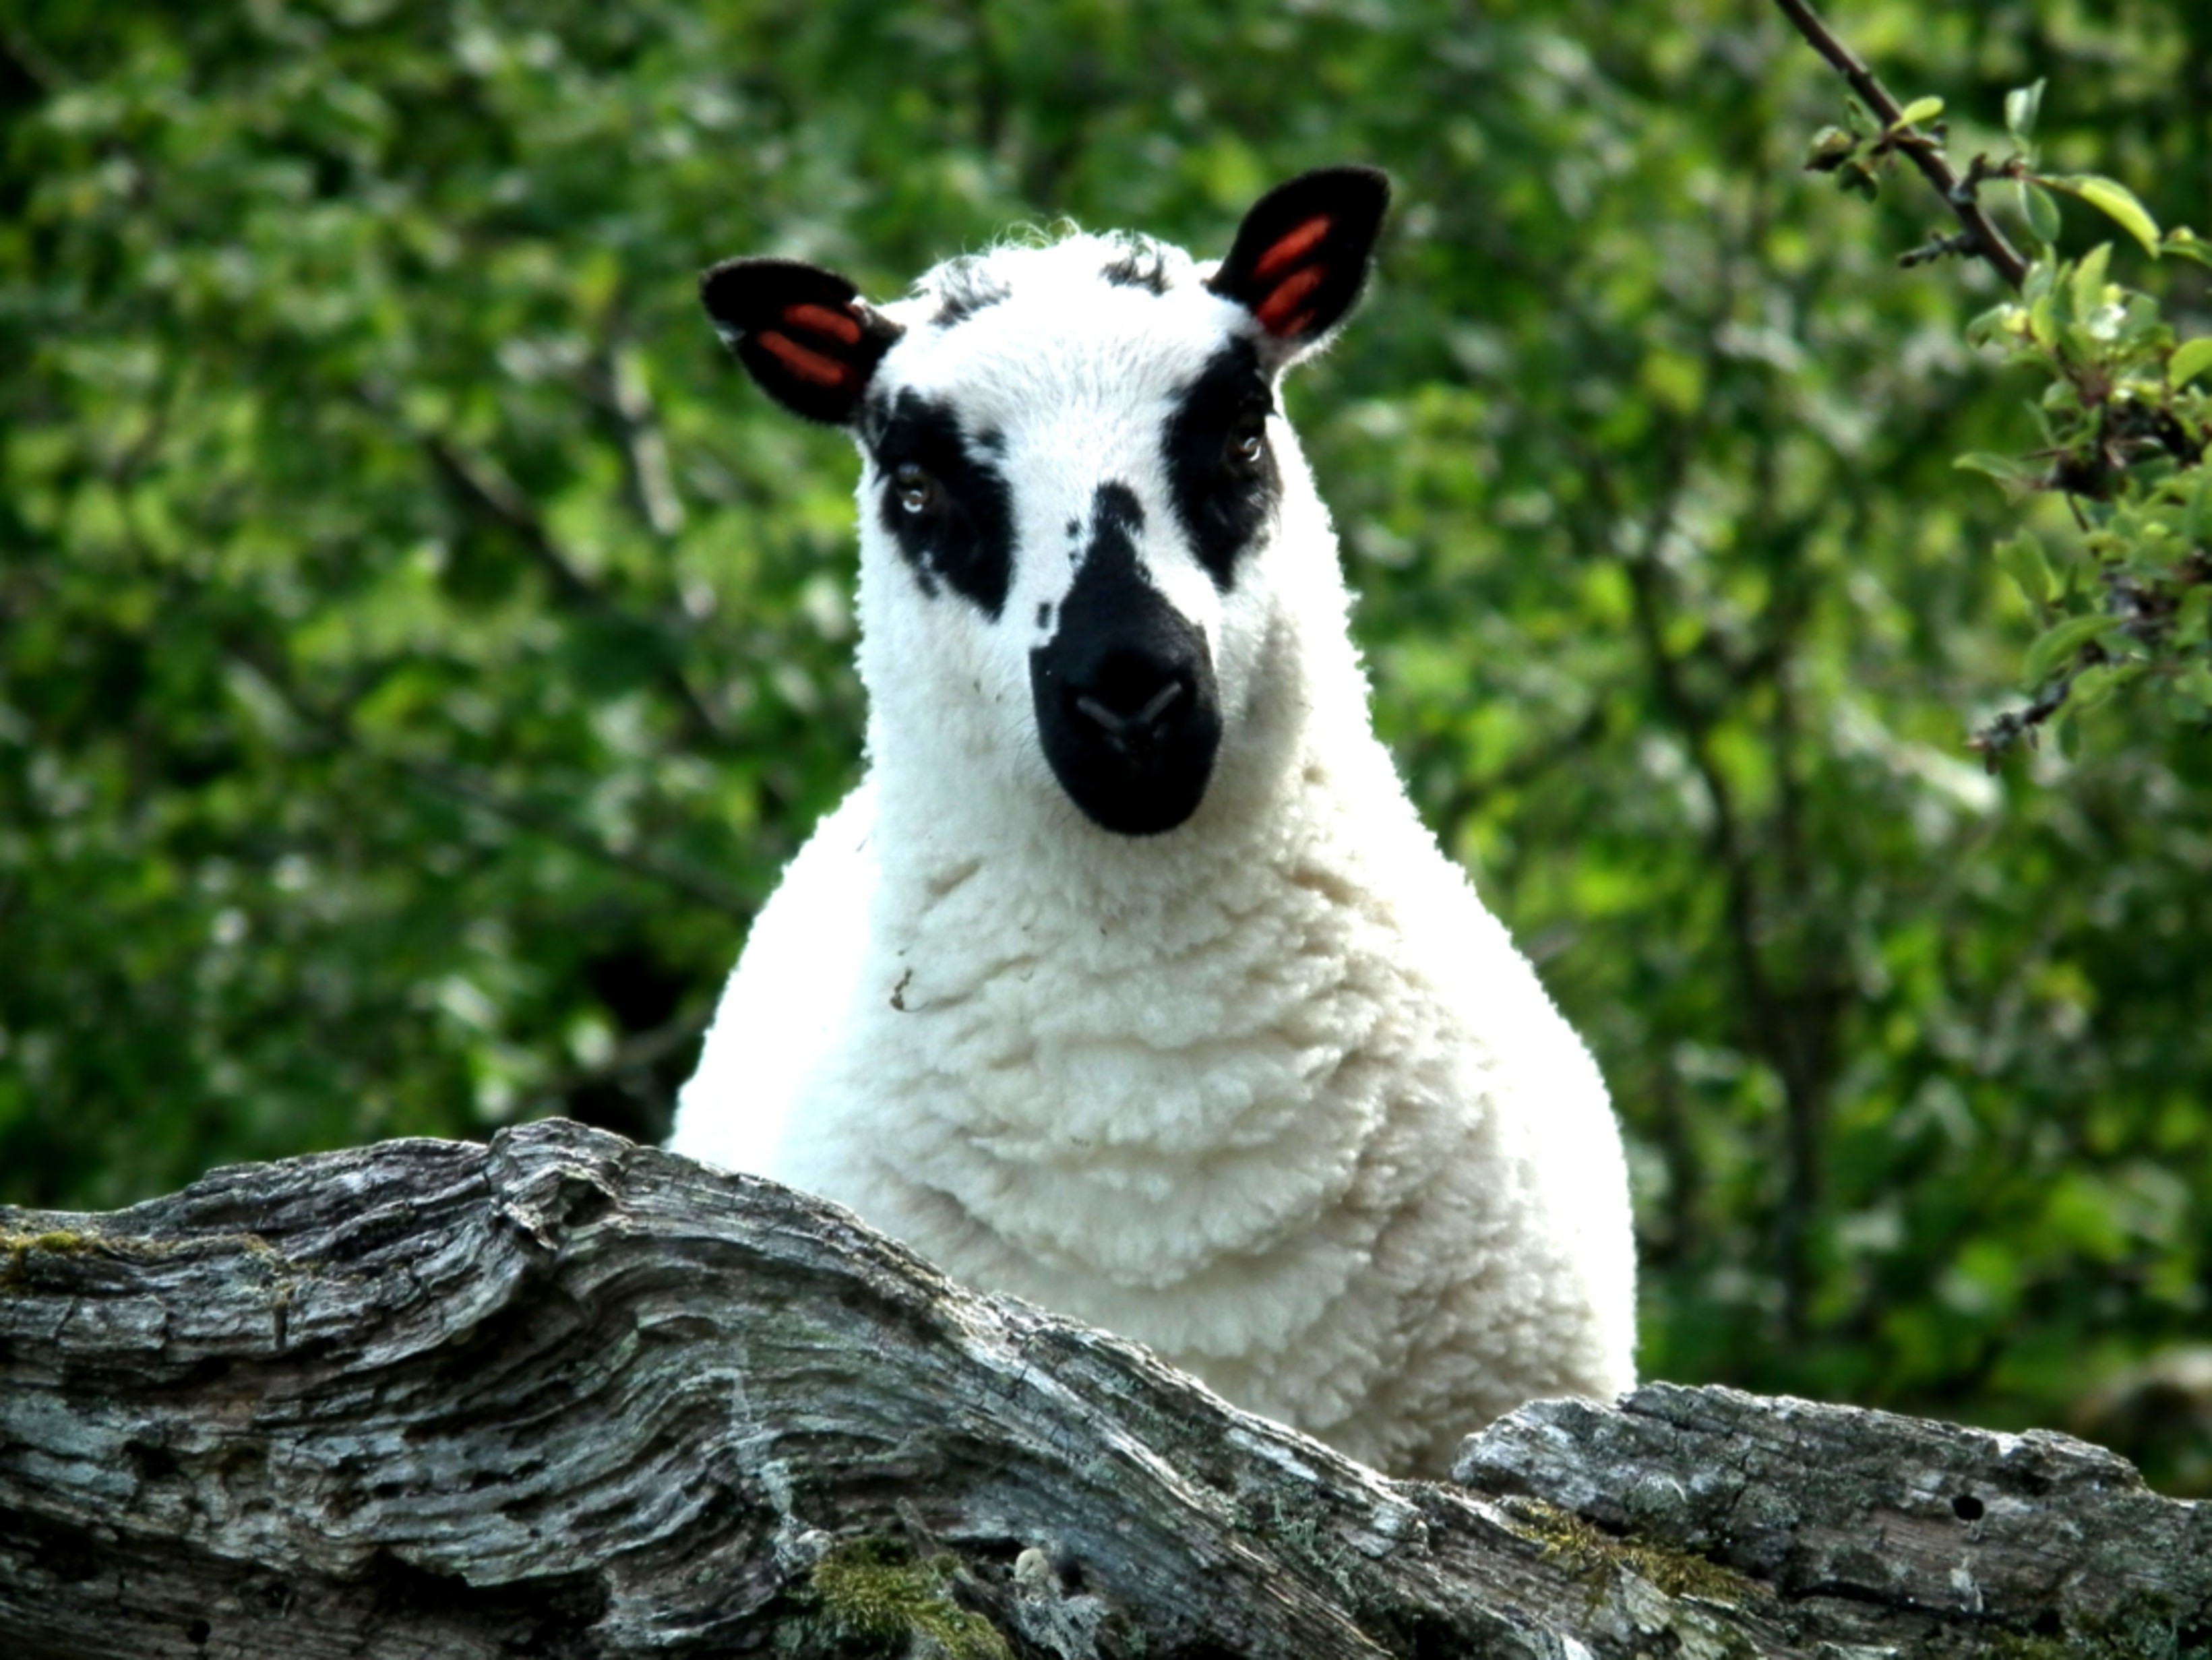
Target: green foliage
column 420, row 650
column 2125, row 434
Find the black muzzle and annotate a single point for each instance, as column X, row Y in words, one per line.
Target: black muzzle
column 1124, row 689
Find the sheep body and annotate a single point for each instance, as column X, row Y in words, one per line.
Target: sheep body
column 1270, row 1091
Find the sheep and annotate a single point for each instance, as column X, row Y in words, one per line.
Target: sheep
column 1127, row 980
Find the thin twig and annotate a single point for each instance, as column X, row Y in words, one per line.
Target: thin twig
column 1524, row 769
column 638, row 1053
column 628, row 400
column 39, row 70
column 479, row 480
column 1991, row 742
column 270, row 666
column 554, row 827
column 1981, row 236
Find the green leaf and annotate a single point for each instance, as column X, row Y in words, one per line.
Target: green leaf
column 2116, row 201
column 2196, row 519
column 2088, row 285
column 2021, row 558
column 2141, row 330
column 2192, row 624
column 2040, row 212
column 2005, row 469
column 2186, row 244
column 2069, row 735
column 2191, row 359
column 2096, row 685
column 2043, row 323
column 2023, row 104
column 2055, row 649
column 1919, row 111
column 1830, row 147
column 2188, row 702
column 1990, row 326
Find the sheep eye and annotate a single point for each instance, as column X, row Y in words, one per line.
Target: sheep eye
column 1248, row 442
column 917, row 490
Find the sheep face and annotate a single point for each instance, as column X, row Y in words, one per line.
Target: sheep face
column 1076, row 482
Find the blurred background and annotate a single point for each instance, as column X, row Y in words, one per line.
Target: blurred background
column 420, row 648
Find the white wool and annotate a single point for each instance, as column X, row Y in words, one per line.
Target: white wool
column 1271, row 1092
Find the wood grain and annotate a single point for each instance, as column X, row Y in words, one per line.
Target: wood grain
column 562, row 1396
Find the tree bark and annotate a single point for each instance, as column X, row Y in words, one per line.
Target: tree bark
column 562, row 1396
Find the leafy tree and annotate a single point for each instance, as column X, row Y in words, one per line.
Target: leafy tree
column 2125, row 433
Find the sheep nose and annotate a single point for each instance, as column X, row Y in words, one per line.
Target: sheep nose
column 1129, row 726
column 1132, row 699
column 1128, row 712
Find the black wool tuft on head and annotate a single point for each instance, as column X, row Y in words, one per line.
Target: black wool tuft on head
column 964, row 287
column 1301, row 255
column 804, row 333
column 1142, row 264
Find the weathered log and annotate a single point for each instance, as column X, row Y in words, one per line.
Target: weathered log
column 566, row 1396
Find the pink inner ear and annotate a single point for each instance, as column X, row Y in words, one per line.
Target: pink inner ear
column 822, row 320
column 809, row 366
column 1284, row 313
column 1291, row 248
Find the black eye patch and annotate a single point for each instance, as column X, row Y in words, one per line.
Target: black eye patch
column 962, row 534
column 1224, row 487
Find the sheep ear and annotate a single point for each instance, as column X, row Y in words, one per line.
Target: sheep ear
column 804, row 333
column 1301, row 254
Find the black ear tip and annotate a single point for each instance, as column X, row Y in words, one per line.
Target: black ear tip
column 1358, row 178
column 715, row 285
column 1354, row 187
column 1366, row 190
column 747, row 291
column 722, row 291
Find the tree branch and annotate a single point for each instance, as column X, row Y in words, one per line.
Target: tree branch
column 1979, row 233
column 481, row 483
column 624, row 393
column 270, row 663
column 1525, row 768
column 460, row 786
column 563, row 1395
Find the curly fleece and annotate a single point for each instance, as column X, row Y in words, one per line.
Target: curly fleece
column 1271, row 1093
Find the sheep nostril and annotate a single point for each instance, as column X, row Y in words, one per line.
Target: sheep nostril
column 1135, row 725
column 1149, row 716
column 1141, row 719
column 1091, row 709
